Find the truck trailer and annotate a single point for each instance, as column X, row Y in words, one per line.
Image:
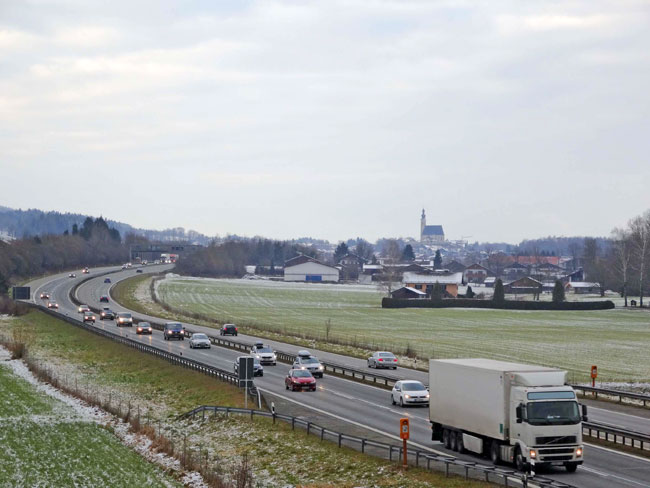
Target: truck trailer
column 516, row 413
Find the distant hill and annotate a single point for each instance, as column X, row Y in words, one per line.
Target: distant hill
column 33, row 222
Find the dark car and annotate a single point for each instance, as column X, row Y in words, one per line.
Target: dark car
column 258, row 369
column 299, row 379
column 228, row 329
column 103, row 299
column 52, row 304
column 144, row 328
column 174, row 330
column 45, row 296
column 89, row 317
column 138, row 271
column 72, row 275
column 106, row 314
column 107, row 280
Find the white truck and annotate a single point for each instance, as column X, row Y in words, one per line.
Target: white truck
column 510, row 412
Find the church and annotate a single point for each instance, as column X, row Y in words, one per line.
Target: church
column 430, row 234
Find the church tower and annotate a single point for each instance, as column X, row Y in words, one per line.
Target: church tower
column 423, row 224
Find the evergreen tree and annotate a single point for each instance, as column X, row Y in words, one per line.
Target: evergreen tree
column 436, row 293
column 408, row 254
column 469, row 293
column 437, row 260
column 75, row 229
column 4, row 285
column 499, row 293
column 558, row 292
column 341, row 250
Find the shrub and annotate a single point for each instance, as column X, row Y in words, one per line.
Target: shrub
column 558, row 292
column 499, row 293
column 506, row 304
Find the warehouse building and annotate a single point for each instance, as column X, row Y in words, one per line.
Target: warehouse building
column 307, row 269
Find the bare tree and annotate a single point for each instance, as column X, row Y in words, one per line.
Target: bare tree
column 623, row 257
column 640, row 232
column 389, row 279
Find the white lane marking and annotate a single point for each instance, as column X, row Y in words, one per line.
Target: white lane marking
column 608, row 475
column 358, row 424
column 622, row 453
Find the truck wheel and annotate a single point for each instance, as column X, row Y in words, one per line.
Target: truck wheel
column 459, row 443
column 571, row 467
column 494, row 452
column 453, row 440
column 445, row 438
column 520, row 462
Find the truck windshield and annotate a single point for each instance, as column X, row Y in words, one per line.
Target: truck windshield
column 558, row 413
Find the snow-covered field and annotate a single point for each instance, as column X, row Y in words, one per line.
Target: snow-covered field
column 615, row 340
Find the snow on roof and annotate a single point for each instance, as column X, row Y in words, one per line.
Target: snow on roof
column 452, row 278
column 414, row 290
column 583, row 284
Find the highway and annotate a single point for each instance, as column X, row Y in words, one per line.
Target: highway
column 359, row 404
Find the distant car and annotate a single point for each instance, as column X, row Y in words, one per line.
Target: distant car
column 157, row 261
column 52, row 305
column 83, row 308
column 138, row 270
column 265, row 354
column 107, row 280
column 103, row 299
column 85, row 271
column 124, row 266
column 228, row 329
column 45, row 296
column 258, row 369
column 382, row 359
column 124, row 319
column 72, row 275
column 409, row 392
column 199, row 341
column 299, row 379
column 305, row 360
column 144, row 328
column 173, row 330
column 106, row 314
column 89, row 317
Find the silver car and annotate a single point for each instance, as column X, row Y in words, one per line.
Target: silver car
column 265, row 354
column 382, row 359
column 200, row 341
column 409, row 392
column 305, row 360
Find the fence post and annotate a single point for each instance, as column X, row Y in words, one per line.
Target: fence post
column 363, row 445
column 340, row 435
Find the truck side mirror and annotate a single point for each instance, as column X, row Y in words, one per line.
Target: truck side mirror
column 521, row 413
column 584, row 413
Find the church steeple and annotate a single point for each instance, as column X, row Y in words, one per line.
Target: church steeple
column 423, row 223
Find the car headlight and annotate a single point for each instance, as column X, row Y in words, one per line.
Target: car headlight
column 579, row 452
column 427, row 396
column 321, row 368
column 407, row 396
column 533, row 454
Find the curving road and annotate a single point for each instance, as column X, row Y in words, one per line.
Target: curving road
column 359, row 404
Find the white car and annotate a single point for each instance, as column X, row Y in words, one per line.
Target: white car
column 198, row 341
column 83, row 308
column 265, row 354
column 409, row 392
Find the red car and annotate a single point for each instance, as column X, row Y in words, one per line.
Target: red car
column 299, row 379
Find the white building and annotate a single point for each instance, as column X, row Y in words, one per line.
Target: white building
column 304, row 268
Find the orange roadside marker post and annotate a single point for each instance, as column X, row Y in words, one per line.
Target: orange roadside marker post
column 594, row 375
column 404, row 434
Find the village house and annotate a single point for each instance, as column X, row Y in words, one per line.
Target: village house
column 426, row 281
column 308, row 269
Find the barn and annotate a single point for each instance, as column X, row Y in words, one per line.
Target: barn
column 307, row 269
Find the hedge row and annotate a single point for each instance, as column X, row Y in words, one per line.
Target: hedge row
column 507, row 304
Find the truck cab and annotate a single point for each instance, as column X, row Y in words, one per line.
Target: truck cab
column 546, row 427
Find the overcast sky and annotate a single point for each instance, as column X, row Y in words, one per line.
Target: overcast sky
column 505, row 120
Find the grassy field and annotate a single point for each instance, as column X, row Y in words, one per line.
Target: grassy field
column 44, row 444
column 615, row 340
column 278, row 455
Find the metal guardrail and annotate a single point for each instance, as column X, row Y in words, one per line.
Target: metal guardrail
column 192, row 364
column 613, row 393
column 635, row 440
column 416, row 457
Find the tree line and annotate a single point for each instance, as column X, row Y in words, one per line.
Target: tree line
column 230, row 258
column 90, row 244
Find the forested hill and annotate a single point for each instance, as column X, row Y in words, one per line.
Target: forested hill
column 33, row 222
